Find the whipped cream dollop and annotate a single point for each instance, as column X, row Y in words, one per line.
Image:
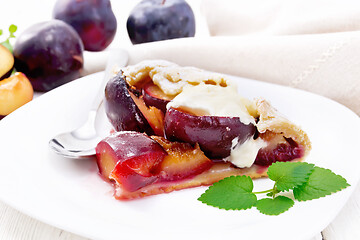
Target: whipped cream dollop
column 244, row 154
column 213, row 100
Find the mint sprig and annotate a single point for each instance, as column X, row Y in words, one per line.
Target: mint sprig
column 274, row 206
column 6, row 43
column 321, row 182
column 305, row 180
column 225, row 193
column 288, row 175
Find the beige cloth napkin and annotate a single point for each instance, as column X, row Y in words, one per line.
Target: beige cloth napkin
column 311, row 59
column 281, row 17
column 311, row 45
column 326, row 64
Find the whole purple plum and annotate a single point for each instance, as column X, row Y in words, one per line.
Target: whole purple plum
column 155, row 20
column 49, row 54
column 94, row 21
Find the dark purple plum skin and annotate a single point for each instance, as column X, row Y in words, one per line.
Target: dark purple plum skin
column 49, row 54
column 93, row 20
column 153, row 20
column 130, row 144
column 121, row 109
column 151, row 100
column 283, row 152
column 214, row 134
column 136, row 152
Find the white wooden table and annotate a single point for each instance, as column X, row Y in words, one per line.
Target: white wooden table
column 17, row 226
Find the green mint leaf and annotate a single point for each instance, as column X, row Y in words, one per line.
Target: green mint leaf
column 274, row 206
column 12, row 30
column 231, row 193
column 321, row 182
column 288, row 175
column 6, row 43
column 270, row 194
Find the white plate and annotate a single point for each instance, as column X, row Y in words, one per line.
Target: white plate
column 70, row 195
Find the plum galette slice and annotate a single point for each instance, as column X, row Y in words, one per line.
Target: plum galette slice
column 181, row 127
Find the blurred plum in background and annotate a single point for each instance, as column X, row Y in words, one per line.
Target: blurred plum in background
column 155, row 20
column 94, row 21
column 50, row 54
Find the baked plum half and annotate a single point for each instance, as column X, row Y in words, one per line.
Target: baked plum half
column 131, row 158
column 154, row 96
column 127, row 111
column 214, row 134
column 283, row 150
column 135, row 161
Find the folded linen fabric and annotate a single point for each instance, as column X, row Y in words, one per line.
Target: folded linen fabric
column 317, row 42
column 326, row 64
column 280, row 17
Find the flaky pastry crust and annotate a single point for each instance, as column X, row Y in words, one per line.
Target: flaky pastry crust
column 270, row 120
column 170, row 77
